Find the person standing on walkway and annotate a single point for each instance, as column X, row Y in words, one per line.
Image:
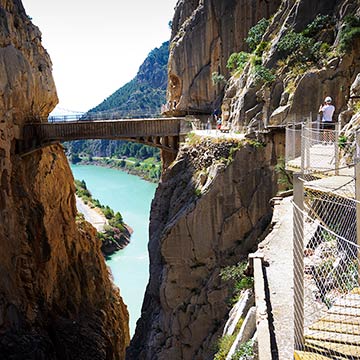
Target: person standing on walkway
column 326, row 111
column 208, row 125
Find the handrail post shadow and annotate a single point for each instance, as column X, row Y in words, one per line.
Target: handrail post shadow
column 298, row 260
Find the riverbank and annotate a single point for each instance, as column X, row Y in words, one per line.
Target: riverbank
column 112, row 231
column 149, row 169
column 132, row 197
column 92, row 215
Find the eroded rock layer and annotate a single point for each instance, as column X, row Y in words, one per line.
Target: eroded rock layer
column 205, row 216
column 205, row 33
column 56, row 298
column 290, row 81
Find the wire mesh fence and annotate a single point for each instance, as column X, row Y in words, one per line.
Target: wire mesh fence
column 326, row 273
column 293, row 145
column 312, row 147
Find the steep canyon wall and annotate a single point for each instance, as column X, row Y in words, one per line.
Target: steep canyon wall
column 300, row 76
column 56, row 298
column 193, row 236
column 205, row 33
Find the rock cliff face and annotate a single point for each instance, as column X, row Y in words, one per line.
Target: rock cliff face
column 273, row 88
column 205, row 33
column 56, row 299
column 303, row 74
column 205, row 216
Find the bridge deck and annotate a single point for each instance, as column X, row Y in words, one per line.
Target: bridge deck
column 163, row 133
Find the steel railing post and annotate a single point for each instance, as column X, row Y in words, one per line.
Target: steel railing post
column 302, row 148
column 336, row 149
column 357, row 194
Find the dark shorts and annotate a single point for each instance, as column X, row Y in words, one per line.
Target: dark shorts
column 328, row 125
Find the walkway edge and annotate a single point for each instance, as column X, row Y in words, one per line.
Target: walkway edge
column 262, row 323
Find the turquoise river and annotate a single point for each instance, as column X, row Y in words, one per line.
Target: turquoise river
column 131, row 196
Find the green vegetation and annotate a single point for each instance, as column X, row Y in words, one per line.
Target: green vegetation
column 237, row 61
column 142, row 96
column 218, row 79
column 116, row 231
column 342, row 141
column 240, row 281
column 261, row 48
column 284, row 177
column 349, row 32
column 356, row 107
column 132, row 157
column 256, row 33
column 244, row 352
column 297, row 47
column 74, row 158
column 223, row 346
column 108, row 148
column 149, row 169
column 146, row 92
column 263, row 74
column 197, row 192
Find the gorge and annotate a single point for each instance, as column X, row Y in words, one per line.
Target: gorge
column 212, row 206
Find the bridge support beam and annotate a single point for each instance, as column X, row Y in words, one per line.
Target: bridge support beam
column 167, row 157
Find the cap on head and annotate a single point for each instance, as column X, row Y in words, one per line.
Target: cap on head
column 328, row 99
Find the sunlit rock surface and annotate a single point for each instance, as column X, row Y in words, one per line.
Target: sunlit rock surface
column 56, row 298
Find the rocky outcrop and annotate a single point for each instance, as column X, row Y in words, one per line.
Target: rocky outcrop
column 56, row 298
column 204, row 34
column 208, row 212
column 300, row 85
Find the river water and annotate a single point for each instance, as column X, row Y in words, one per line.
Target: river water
column 131, row 196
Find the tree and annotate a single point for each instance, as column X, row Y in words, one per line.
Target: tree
column 75, row 158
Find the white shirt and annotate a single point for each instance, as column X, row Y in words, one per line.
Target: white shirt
column 327, row 112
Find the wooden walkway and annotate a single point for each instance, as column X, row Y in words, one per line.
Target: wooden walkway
column 337, row 335
column 164, row 133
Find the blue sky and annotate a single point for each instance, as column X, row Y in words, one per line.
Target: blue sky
column 98, row 46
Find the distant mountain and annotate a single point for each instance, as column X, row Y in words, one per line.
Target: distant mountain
column 145, row 94
column 141, row 97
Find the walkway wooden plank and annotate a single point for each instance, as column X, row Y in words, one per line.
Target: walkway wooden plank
column 337, row 327
column 327, row 336
column 336, row 348
column 348, row 303
column 304, row 355
column 345, row 311
column 354, row 296
column 344, row 319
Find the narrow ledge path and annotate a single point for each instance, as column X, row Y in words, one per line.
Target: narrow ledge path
column 278, row 254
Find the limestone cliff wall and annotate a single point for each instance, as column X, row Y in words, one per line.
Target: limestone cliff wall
column 204, row 34
column 298, row 87
column 193, row 236
column 56, row 298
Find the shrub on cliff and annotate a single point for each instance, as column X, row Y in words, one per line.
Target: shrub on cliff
column 256, row 33
column 349, row 32
column 263, row 74
column 237, row 61
column 236, row 274
column 218, row 79
column 306, row 45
